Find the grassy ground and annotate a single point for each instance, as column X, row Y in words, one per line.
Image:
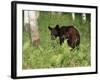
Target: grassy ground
column 50, row 54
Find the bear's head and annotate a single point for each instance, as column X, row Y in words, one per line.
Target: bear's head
column 54, row 31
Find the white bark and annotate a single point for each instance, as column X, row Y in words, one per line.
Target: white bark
column 31, row 18
column 84, row 17
column 73, row 16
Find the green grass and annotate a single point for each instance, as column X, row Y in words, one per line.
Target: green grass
column 49, row 53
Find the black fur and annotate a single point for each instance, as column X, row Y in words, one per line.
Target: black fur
column 70, row 33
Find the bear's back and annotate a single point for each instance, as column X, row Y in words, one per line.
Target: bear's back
column 69, row 29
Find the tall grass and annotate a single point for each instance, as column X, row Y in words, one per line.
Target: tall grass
column 49, row 53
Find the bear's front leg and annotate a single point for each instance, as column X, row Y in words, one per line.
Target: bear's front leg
column 61, row 40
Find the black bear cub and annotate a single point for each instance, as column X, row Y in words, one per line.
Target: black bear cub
column 70, row 33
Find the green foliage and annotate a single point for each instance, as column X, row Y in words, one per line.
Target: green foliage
column 49, row 53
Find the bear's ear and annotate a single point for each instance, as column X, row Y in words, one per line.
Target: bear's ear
column 49, row 28
column 57, row 26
